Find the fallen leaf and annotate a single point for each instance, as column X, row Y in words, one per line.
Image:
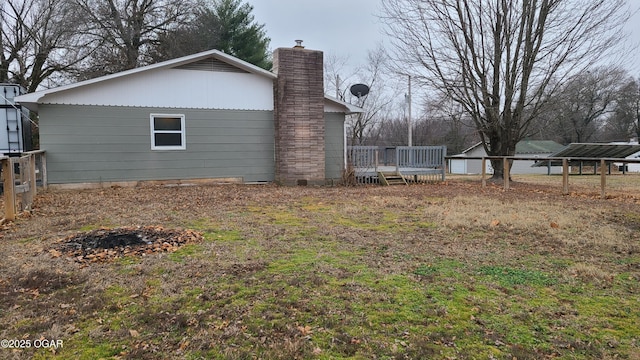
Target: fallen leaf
column 184, row 344
column 55, row 253
column 495, row 222
column 134, row 333
column 305, row 330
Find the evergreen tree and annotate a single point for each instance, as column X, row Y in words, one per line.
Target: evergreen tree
column 239, row 35
column 226, row 25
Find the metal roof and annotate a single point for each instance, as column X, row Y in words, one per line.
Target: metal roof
column 32, row 100
column 619, row 151
column 586, row 150
column 537, row 147
column 526, row 147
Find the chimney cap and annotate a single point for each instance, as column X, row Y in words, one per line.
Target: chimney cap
column 298, row 44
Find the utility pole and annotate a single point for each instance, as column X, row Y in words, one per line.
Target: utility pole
column 409, row 123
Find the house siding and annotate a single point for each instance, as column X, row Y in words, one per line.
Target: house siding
column 87, row 144
column 334, row 145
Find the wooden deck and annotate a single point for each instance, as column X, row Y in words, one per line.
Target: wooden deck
column 414, row 164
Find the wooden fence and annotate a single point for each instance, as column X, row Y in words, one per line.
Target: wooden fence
column 20, row 179
column 507, row 161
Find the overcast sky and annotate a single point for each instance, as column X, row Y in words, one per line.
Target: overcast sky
column 350, row 28
column 343, row 28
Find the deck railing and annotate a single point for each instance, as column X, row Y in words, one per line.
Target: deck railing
column 418, row 163
column 420, row 156
column 363, row 156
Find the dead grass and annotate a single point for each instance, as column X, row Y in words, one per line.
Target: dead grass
column 425, row 271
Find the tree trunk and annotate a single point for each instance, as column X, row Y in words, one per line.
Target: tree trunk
column 502, row 144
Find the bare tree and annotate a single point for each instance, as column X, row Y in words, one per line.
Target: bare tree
column 337, row 77
column 499, row 59
column 447, row 123
column 584, row 104
column 376, row 104
column 127, row 31
column 622, row 125
column 38, row 40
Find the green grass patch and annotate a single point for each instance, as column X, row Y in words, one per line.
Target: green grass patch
column 91, row 227
column 222, row 235
column 185, row 252
column 508, row 276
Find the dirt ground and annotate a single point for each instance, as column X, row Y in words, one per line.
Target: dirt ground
column 45, row 292
column 58, row 213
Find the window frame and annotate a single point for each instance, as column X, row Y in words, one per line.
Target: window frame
column 182, row 132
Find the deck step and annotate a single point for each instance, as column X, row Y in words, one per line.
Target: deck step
column 391, row 179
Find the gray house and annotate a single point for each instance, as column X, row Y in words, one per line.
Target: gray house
column 525, row 148
column 200, row 117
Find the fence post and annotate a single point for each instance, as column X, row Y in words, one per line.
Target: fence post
column 565, row 177
column 9, row 194
column 43, row 169
column 603, row 180
column 505, row 172
column 443, row 161
column 32, row 176
column 484, row 172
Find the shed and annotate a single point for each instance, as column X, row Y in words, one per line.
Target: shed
column 204, row 116
column 460, row 164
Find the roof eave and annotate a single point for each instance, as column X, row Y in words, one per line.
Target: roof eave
column 349, row 108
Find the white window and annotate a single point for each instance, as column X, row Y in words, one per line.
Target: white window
column 167, row 132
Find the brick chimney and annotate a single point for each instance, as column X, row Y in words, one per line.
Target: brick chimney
column 299, row 116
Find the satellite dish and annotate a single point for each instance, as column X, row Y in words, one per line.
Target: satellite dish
column 359, row 90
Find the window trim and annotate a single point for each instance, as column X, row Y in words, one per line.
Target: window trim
column 182, row 132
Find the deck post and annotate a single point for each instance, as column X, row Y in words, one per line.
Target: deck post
column 565, row 177
column 397, row 160
column 603, row 180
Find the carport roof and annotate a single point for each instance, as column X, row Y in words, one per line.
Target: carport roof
column 619, row 151
column 586, row 150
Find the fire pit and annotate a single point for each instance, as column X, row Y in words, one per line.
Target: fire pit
column 103, row 245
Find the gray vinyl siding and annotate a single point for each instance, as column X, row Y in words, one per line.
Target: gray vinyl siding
column 334, row 145
column 101, row 144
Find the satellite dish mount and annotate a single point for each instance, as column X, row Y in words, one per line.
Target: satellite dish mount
column 359, row 90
